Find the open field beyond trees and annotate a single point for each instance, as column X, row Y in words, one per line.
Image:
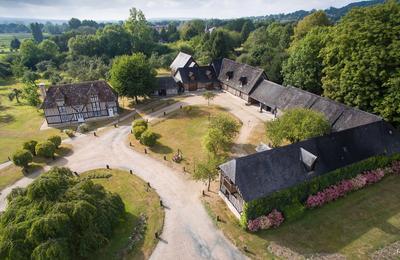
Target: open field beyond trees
column 138, row 198
column 19, row 122
column 183, row 131
column 355, row 226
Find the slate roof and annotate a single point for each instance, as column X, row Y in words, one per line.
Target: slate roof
column 166, row 82
column 340, row 116
column 261, row 174
column 238, row 70
column 79, row 93
column 182, row 60
column 199, row 73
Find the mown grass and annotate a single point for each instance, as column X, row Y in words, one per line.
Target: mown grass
column 182, row 131
column 354, row 226
column 6, row 38
column 138, row 198
column 11, row 174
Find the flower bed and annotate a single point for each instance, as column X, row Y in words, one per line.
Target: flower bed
column 273, row 219
column 346, row 186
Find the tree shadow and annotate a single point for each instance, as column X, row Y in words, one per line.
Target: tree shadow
column 160, row 148
column 7, row 118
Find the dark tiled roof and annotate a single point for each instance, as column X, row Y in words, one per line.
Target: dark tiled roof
column 268, row 93
column 263, row 173
column 78, row 93
column 340, row 116
column 238, row 71
column 216, row 64
column 182, row 60
column 200, row 74
column 166, row 83
column 353, row 117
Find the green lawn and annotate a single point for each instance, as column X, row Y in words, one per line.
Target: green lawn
column 184, row 132
column 138, row 198
column 354, row 226
column 5, row 39
column 18, row 122
column 12, row 173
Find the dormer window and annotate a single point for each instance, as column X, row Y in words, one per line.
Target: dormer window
column 94, row 98
column 308, row 159
column 229, row 75
column 243, row 81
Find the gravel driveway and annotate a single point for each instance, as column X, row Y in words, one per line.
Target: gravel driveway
column 188, row 231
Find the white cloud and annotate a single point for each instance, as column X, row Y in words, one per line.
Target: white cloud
column 119, row 9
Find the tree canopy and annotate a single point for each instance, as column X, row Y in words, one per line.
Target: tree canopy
column 362, row 60
column 132, row 76
column 295, row 125
column 58, row 216
column 303, row 68
column 318, row 18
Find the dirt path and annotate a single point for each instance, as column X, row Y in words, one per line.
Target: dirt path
column 188, row 231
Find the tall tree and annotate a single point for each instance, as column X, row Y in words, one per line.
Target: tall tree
column 74, row 23
column 37, row 33
column 303, row 68
column 362, row 60
column 133, row 76
column 207, row 171
column 295, row 125
column 15, row 44
column 266, row 48
column 30, row 53
column 247, row 28
column 140, row 31
column 318, row 18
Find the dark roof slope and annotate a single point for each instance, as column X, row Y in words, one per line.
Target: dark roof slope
column 203, row 74
column 331, row 109
column 79, row 93
column 269, row 92
column 166, row 82
column 353, row 117
column 237, row 70
column 339, row 115
column 263, row 173
column 182, row 60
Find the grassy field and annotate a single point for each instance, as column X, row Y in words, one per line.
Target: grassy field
column 12, row 173
column 5, row 39
column 182, row 131
column 18, row 122
column 138, row 198
column 355, row 226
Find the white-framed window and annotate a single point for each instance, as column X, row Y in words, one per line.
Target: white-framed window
column 94, row 98
column 62, row 109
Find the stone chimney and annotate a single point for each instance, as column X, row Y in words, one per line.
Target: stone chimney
column 42, row 88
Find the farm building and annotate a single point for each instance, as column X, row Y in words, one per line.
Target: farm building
column 196, row 78
column 79, row 102
column 167, row 87
column 261, row 174
column 182, row 60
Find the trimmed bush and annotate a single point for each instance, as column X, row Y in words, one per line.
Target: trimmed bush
column 56, row 140
column 82, row 128
column 69, row 132
column 148, row 138
column 139, row 122
column 30, row 146
column 45, row 149
column 22, row 158
column 300, row 193
column 294, row 211
column 138, row 131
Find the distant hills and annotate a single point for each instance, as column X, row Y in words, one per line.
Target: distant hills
column 333, row 13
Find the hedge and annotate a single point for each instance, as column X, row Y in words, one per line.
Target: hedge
column 288, row 200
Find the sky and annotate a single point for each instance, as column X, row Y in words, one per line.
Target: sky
column 119, row 9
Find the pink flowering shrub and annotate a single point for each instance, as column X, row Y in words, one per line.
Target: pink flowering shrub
column 344, row 187
column 273, row 219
